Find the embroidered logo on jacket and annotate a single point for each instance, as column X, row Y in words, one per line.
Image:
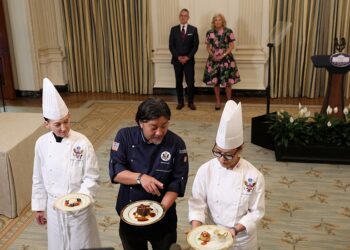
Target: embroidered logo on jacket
column 78, row 152
column 249, row 185
column 165, row 156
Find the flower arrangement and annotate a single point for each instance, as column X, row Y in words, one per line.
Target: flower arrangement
column 304, row 129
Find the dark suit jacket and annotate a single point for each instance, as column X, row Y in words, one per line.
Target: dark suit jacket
column 188, row 47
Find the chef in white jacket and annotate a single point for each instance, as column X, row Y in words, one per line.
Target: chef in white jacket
column 228, row 190
column 65, row 162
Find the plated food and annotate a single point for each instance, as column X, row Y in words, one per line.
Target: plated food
column 204, row 237
column 221, row 234
column 211, row 237
column 72, row 202
column 142, row 213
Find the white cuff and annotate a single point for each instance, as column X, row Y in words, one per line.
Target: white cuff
column 39, row 204
column 196, row 216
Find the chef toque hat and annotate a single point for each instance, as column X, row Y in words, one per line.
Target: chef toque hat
column 54, row 107
column 230, row 131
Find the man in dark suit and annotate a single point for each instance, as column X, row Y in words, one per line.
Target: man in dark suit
column 183, row 45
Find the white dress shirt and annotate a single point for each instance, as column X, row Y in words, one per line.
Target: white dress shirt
column 185, row 27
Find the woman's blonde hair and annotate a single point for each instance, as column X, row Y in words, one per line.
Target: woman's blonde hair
column 222, row 18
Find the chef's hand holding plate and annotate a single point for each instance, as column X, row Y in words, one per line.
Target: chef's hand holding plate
column 233, row 232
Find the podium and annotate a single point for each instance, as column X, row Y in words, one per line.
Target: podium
column 335, row 89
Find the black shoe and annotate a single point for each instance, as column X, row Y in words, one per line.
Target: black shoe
column 179, row 106
column 217, row 107
column 192, row 106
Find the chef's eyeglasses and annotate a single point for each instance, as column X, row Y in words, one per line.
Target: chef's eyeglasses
column 219, row 154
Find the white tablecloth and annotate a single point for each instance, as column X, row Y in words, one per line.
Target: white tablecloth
column 18, row 133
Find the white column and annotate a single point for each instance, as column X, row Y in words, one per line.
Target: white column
column 36, row 33
column 164, row 16
column 48, row 36
column 23, row 45
column 252, row 31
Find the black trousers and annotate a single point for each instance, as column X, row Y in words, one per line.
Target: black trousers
column 187, row 70
column 140, row 242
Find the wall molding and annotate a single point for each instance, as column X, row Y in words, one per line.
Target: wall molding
column 36, row 94
column 210, row 91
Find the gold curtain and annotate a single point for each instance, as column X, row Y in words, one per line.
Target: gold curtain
column 315, row 24
column 108, row 46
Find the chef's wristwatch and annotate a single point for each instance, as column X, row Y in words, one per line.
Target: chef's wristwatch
column 138, row 180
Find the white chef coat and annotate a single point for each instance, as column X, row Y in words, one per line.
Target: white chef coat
column 229, row 196
column 62, row 168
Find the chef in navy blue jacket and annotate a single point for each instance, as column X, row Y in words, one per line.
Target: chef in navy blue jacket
column 150, row 163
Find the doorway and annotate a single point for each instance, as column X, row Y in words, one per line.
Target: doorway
column 6, row 79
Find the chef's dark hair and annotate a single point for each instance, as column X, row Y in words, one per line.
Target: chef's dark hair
column 151, row 109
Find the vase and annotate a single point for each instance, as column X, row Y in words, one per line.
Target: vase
column 313, row 153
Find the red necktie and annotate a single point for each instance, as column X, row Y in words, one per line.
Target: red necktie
column 183, row 33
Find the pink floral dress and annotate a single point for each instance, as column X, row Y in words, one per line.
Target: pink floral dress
column 224, row 72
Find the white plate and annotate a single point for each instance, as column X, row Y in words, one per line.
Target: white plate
column 193, row 238
column 129, row 211
column 59, row 203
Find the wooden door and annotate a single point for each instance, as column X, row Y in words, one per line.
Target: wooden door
column 6, row 79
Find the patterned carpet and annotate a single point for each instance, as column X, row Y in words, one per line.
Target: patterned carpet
column 307, row 205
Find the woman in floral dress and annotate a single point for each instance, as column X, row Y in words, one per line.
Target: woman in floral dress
column 221, row 69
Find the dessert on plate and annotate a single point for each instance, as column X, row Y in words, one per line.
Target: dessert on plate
column 204, row 237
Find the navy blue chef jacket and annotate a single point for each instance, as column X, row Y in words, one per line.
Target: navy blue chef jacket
column 167, row 162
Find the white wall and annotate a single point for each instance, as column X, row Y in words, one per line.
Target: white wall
column 39, row 48
column 247, row 18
